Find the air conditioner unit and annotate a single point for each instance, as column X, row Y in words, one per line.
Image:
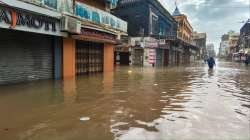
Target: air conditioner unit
column 71, row 25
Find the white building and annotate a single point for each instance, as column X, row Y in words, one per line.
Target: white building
column 224, row 48
column 211, row 50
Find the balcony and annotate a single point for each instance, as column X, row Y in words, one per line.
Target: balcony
column 100, row 17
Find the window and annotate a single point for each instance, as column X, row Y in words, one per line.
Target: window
column 95, row 17
column 51, row 3
column 154, row 26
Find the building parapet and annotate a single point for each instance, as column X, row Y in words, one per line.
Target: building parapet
column 98, row 16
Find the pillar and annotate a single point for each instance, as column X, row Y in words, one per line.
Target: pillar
column 68, row 58
column 108, row 58
column 58, row 58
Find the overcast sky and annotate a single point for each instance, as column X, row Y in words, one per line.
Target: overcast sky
column 215, row 17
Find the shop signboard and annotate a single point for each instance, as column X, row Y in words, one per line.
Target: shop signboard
column 152, row 56
column 151, row 44
column 28, row 21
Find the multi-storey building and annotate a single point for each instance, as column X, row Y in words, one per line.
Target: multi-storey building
column 184, row 35
column 211, row 50
column 185, row 30
column 233, row 40
column 149, row 23
column 43, row 39
column 224, row 46
column 199, row 40
column 244, row 39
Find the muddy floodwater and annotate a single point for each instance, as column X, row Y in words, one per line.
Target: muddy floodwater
column 133, row 103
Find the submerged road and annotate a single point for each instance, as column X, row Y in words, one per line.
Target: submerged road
column 132, row 103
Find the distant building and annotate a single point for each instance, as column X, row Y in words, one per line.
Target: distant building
column 211, row 50
column 149, row 24
column 224, row 46
column 199, row 40
column 233, row 40
column 244, row 39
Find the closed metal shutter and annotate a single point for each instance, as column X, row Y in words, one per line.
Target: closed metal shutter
column 25, row 57
column 89, row 57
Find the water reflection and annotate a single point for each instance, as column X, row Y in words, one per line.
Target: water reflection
column 132, row 103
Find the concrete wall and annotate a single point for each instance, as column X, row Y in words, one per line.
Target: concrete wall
column 108, row 59
column 68, row 58
column 100, row 4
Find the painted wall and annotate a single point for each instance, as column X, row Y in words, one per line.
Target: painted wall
column 185, row 30
column 68, row 58
column 108, row 58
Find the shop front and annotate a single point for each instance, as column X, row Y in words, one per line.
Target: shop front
column 93, row 53
column 163, row 53
column 137, row 55
column 122, row 55
column 30, row 46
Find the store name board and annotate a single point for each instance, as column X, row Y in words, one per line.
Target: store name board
column 96, row 34
column 162, row 41
column 19, row 19
column 151, row 44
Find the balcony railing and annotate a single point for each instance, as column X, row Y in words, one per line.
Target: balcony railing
column 99, row 16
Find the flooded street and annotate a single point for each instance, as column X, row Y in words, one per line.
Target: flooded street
column 132, row 104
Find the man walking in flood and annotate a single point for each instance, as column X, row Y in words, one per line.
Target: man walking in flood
column 211, row 62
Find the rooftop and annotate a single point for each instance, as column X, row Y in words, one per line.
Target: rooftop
column 176, row 12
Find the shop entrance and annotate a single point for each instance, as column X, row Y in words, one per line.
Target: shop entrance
column 89, row 57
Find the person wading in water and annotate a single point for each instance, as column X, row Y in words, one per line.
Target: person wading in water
column 211, row 62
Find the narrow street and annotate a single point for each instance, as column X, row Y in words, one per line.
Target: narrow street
column 132, row 103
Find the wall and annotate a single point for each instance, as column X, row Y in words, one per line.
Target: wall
column 108, row 58
column 137, row 16
column 100, row 4
column 68, row 58
column 185, row 30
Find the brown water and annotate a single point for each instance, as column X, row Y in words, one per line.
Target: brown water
column 132, row 104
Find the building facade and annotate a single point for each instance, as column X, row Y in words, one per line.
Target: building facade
column 211, row 50
column 149, row 23
column 185, row 30
column 244, row 39
column 199, row 39
column 56, row 39
column 233, row 40
column 224, row 46
column 184, row 35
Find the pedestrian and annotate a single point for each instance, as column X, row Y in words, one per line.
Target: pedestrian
column 247, row 60
column 211, row 62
